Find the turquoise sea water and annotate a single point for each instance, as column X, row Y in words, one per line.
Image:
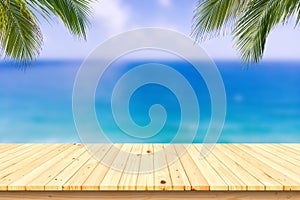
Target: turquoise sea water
column 263, row 102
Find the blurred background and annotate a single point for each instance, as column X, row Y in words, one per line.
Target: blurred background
column 263, row 100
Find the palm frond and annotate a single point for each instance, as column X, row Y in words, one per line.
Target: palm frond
column 20, row 35
column 253, row 28
column 73, row 13
column 212, row 17
column 250, row 22
column 298, row 14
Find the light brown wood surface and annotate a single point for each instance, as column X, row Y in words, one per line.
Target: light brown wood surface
column 134, row 167
column 161, row 195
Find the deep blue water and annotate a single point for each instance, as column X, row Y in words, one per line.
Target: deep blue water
column 263, row 102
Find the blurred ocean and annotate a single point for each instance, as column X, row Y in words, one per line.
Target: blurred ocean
column 263, row 102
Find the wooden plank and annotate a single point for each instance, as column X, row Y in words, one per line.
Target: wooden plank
column 64, row 159
column 266, row 170
column 195, row 176
column 234, row 182
column 252, row 165
column 61, row 178
column 162, row 180
column 276, row 167
column 145, row 179
column 295, row 147
column 290, row 169
column 95, row 178
column 213, row 178
column 237, row 167
column 289, row 148
column 5, row 148
column 179, row 179
column 12, row 153
column 26, row 165
column 113, row 176
column 253, row 183
column 16, row 157
column 76, row 181
column 203, row 195
column 120, row 195
column 280, row 153
column 38, row 177
column 129, row 177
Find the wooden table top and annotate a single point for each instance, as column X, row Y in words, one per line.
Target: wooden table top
column 229, row 167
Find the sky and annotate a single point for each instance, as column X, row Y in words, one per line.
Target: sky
column 112, row 17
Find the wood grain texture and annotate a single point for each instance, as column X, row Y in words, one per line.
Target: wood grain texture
column 166, row 195
column 134, row 167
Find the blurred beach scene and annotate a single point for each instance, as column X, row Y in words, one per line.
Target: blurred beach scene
column 263, row 102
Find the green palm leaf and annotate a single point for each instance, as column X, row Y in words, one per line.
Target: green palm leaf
column 249, row 21
column 73, row 13
column 20, row 35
